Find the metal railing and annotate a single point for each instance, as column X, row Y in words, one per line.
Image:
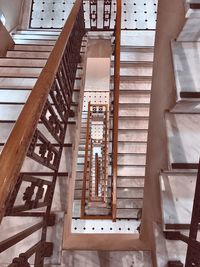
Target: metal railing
column 39, row 134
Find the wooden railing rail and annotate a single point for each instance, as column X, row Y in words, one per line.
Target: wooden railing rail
column 105, row 156
column 38, row 136
column 116, row 107
column 14, row 152
column 96, row 175
column 86, row 163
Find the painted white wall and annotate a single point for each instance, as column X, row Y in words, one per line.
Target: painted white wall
column 11, row 10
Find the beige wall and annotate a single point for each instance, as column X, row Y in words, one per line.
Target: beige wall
column 11, row 10
column 171, row 17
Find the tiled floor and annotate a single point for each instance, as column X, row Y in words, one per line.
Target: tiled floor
column 138, row 14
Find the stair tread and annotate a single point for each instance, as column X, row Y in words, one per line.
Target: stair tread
column 22, row 62
column 32, row 48
column 19, row 72
column 177, row 193
column 34, row 36
column 27, row 54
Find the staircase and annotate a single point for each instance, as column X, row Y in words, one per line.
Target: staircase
column 134, row 100
column 19, row 71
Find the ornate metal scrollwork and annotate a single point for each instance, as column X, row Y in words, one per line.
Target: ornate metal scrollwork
column 21, row 261
column 93, row 14
column 107, row 14
column 52, row 122
column 34, row 195
column 42, row 151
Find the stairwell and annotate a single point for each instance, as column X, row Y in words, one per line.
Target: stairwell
column 19, row 71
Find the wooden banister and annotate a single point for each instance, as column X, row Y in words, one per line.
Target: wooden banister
column 14, row 152
column 83, row 198
column 116, row 107
column 96, row 174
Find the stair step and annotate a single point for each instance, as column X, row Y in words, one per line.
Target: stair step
column 136, row 55
column 177, row 194
column 10, row 112
column 135, row 84
column 132, row 135
column 17, row 83
column 34, row 36
column 78, row 194
column 138, row 38
column 129, row 193
column 6, row 129
column 134, row 98
column 133, row 123
column 192, row 107
column 14, row 96
column 183, row 138
column 24, row 83
column 27, row 54
column 135, row 49
column 127, row 213
column 129, row 203
column 97, row 211
column 186, row 63
column 21, row 62
column 126, row 70
column 33, row 48
column 41, row 32
column 130, row 181
column 127, row 170
column 131, row 159
column 129, row 148
column 19, row 72
column 133, row 111
column 33, row 42
column 97, row 205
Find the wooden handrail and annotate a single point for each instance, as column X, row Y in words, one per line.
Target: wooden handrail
column 83, row 198
column 15, row 149
column 105, row 156
column 116, row 107
column 96, row 174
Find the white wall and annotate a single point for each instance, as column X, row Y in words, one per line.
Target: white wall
column 11, row 10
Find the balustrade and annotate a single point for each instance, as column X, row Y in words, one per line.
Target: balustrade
column 40, row 137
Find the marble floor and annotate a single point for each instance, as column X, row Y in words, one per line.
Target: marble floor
column 140, row 14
